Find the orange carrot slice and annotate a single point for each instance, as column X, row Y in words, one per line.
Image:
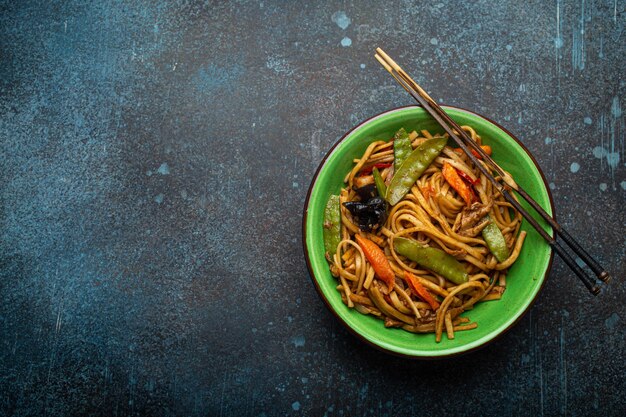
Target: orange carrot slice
column 456, row 182
column 419, row 289
column 486, row 148
column 378, row 260
column 427, row 191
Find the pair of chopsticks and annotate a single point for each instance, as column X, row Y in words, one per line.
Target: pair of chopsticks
column 465, row 142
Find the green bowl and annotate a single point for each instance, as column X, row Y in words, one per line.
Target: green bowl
column 524, row 280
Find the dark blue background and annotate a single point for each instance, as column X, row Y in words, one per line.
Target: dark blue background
column 154, row 162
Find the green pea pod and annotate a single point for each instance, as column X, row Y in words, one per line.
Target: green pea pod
column 434, row 259
column 495, row 240
column 412, row 167
column 380, row 183
column 332, row 224
column 401, row 148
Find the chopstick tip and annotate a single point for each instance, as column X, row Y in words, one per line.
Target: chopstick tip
column 604, row 277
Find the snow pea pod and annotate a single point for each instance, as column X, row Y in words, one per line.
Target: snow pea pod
column 434, row 259
column 332, row 225
column 380, row 183
column 495, row 240
column 412, row 167
column 401, row 148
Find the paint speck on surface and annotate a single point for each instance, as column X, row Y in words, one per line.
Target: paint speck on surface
column 616, row 109
column 164, row 169
column 159, row 198
column 509, row 47
column 345, row 42
column 612, row 159
column 558, row 42
column 587, row 120
column 149, row 173
column 578, row 43
column 279, row 66
column 552, row 186
column 603, row 186
column 434, row 41
column 341, row 19
column 295, row 185
column 298, row 341
column 599, row 152
column 362, row 66
column 623, row 185
column 548, row 141
column 611, row 322
column 574, row 167
column 601, row 52
column 296, row 406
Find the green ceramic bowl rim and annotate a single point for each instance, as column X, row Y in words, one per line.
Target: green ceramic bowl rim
column 486, row 339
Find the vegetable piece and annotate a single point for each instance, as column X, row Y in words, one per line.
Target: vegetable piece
column 486, row 148
column 412, row 167
column 434, row 259
column 401, row 148
column 467, row 178
column 332, row 225
column 454, row 179
column 380, row 183
column 419, row 289
column 368, row 215
column 369, row 168
column 378, row 260
column 427, row 191
column 366, row 192
column 495, row 240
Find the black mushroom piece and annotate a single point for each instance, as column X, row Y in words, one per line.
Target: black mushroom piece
column 370, row 214
column 366, row 192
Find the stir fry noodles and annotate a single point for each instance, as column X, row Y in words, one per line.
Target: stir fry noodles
column 418, row 236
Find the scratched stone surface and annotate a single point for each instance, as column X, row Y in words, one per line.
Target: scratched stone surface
column 154, row 161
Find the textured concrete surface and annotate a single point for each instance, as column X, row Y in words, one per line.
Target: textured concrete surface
column 154, row 160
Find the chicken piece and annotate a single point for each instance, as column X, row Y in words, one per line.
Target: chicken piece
column 470, row 217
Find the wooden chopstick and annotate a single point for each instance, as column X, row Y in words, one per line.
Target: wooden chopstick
column 462, row 139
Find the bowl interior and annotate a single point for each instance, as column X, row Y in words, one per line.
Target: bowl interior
column 524, row 280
